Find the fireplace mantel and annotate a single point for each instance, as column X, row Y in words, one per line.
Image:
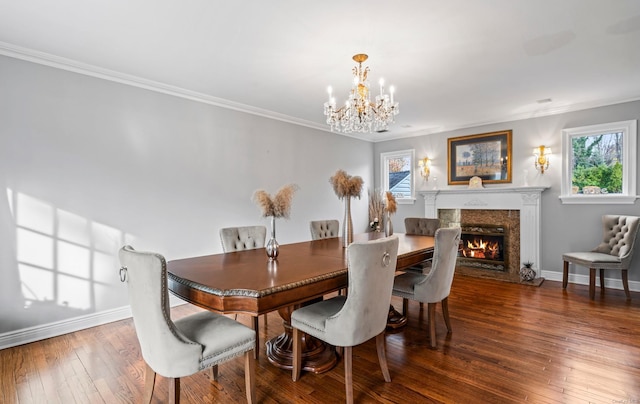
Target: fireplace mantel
column 524, row 199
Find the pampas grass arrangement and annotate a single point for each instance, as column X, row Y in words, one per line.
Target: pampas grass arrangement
column 346, row 186
column 376, row 209
column 391, row 204
column 277, row 206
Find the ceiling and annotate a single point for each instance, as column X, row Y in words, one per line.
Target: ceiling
column 454, row 63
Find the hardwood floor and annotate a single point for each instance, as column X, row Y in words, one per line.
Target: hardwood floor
column 510, row 344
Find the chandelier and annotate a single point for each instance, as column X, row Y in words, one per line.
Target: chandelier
column 359, row 114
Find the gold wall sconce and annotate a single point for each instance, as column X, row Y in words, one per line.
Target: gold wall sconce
column 541, row 161
column 425, row 168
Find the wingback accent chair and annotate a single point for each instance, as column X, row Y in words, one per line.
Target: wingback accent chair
column 615, row 252
column 324, row 229
column 245, row 238
column 346, row 321
column 188, row 345
column 434, row 286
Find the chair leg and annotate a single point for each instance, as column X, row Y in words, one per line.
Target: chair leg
column 601, row 280
column 174, row 390
column 297, row 354
column 592, row 283
column 213, row 372
column 256, row 328
column 149, row 382
column 445, row 313
column 565, row 275
column 405, row 306
column 250, row 377
column 348, row 375
column 382, row 357
column 625, row 283
column 431, row 321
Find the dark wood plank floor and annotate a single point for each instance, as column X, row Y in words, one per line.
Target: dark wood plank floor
column 510, row 344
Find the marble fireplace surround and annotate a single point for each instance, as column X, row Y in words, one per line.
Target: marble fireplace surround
column 524, row 199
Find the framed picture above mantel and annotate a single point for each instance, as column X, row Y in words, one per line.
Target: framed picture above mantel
column 486, row 155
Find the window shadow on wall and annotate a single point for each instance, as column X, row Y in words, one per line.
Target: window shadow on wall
column 64, row 264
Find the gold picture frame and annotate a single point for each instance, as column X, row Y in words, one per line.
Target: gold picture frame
column 486, row 155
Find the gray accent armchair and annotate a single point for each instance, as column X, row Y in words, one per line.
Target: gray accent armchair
column 615, row 252
column 188, row 345
column 434, row 286
column 346, row 321
column 324, row 229
column 245, row 238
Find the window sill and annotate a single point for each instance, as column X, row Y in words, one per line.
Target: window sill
column 406, row 201
column 598, row 199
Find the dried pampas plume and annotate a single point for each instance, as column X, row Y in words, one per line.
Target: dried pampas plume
column 345, row 185
column 279, row 205
column 392, row 206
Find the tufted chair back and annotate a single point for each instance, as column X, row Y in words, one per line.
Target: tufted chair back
column 618, row 236
column 242, row 238
column 324, row 229
column 421, row 226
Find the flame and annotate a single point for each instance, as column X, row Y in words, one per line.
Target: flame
column 479, row 248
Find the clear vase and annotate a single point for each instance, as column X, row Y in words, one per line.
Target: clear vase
column 347, row 226
column 388, row 226
column 273, row 247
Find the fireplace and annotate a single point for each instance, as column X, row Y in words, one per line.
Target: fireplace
column 517, row 209
column 484, row 246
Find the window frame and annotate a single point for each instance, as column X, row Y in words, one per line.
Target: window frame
column 384, row 172
column 629, row 142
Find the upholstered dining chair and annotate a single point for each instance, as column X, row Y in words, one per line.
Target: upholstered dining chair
column 347, row 321
column 614, row 252
column 434, row 286
column 245, row 238
column 324, row 229
column 422, row 226
column 180, row 348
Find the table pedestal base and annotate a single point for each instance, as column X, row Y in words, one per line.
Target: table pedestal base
column 395, row 319
column 317, row 356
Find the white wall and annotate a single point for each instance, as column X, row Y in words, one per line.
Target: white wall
column 87, row 165
column 565, row 228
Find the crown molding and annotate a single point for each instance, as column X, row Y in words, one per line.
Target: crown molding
column 57, row 62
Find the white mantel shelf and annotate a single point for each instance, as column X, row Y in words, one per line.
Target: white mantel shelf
column 524, row 199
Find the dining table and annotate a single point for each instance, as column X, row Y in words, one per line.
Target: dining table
column 249, row 282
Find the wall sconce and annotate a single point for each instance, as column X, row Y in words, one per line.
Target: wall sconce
column 425, row 168
column 541, row 161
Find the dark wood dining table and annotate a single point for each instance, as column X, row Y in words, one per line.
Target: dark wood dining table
column 248, row 282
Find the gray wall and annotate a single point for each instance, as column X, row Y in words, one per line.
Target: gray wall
column 564, row 227
column 87, row 165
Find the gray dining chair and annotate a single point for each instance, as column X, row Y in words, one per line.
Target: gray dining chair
column 180, row 348
column 347, row 321
column 324, row 229
column 434, row 286
column 614, row 252
column 240, row 239
column 421, row 226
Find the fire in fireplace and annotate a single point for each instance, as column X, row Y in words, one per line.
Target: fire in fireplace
column 483, row 246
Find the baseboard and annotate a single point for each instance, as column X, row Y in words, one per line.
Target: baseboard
column 40, row 332
column 610, row 283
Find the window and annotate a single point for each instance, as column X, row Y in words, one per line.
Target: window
column 599, row 163
column 397, row 174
